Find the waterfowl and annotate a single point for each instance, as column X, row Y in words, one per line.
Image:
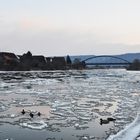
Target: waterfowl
column 39, row 114
column 23, row 111
column 111, row 119
column 31, row 115
column 104, row 121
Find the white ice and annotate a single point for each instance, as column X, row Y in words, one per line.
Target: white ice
column 38, row 125
column 130, row 132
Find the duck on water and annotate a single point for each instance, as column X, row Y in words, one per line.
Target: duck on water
column 23, row 111
column 106, row 121
column 31, row 115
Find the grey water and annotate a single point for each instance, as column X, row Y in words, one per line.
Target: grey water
column 71, row 103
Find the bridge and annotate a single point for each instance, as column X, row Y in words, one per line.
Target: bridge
column 106, row 60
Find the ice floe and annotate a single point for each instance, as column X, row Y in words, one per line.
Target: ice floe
column 38, row 125
column 130, row 132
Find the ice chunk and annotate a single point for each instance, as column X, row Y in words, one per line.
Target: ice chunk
column 26, row 104
column 38, row 125
column 130, row 132
column 84, row 138
column 76, row 126
column 79, row 127
column 12, row 115
column 138, row 138
column 3, row 107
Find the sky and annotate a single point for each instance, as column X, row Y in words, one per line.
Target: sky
column 74, row 27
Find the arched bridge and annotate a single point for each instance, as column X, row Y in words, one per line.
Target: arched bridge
column 106, row 60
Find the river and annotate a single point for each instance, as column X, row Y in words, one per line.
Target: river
column 71, row 104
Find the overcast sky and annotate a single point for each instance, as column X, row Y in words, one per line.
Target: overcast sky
column 61, row 27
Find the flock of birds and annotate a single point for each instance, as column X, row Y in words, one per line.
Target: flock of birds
column 102, row 121
column 30, row 114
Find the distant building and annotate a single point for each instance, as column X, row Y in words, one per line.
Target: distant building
column 27, row 61
column 39, row 62
column 9, row 61
column 58, row 63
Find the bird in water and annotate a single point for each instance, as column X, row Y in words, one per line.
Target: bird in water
column 23, row 111
column 39, row 114
column 104, row 121
column 111, row 119
column 31, row 115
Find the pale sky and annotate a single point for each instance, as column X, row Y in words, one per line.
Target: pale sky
column 74, row 27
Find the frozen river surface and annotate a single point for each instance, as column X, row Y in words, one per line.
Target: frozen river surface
column 71, row 104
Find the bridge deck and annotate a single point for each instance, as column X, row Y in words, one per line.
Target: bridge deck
column 107, row 64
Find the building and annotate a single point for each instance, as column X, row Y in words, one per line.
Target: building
column 9, row 61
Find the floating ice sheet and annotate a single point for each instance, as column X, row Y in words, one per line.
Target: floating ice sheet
column 38, row 125
column 130, row 132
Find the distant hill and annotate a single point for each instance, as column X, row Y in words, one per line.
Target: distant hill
column 129, row 57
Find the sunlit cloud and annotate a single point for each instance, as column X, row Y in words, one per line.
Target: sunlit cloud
column 33, row 24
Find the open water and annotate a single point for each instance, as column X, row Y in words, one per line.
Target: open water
column 71, row 104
